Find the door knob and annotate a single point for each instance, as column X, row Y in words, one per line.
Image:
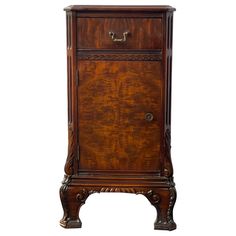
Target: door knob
column 148, row 116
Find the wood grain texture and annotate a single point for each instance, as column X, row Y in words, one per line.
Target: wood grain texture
column 119, row 108
column 144, row 33
column 113, row 132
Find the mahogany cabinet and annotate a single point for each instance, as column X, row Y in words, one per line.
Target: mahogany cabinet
column 119, row 107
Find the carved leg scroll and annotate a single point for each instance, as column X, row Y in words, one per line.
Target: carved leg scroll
column 72, row 199
column 163, row 200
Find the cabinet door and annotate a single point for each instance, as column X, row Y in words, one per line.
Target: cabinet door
column 119, row 112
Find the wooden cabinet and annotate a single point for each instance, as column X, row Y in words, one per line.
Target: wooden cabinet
column 119, row 100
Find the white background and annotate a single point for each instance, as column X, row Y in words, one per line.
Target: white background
column 33, row 124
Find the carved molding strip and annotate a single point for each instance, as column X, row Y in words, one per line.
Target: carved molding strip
column 69, row 87
column 104, row 56
column 168, row 169
column 69, row 29
column 71, row 150
column 86, row 192
column 122, row 190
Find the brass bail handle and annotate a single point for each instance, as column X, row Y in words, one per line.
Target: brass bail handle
column 114, row 39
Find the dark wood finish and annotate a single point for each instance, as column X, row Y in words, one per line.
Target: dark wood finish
column 119, row 101
column 115, row 8
column 144, row 33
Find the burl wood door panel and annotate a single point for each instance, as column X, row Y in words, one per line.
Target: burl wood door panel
column 113, row 98
column 144, row 33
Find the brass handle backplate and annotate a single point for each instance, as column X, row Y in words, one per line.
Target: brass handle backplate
column 114, row 39
column 149, row 117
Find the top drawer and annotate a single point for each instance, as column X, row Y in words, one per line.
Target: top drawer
column 110, row 33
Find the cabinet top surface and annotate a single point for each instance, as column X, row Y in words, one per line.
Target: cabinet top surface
column 124, row 8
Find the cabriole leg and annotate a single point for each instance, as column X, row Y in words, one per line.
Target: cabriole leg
column 72, row 199
column 163, row 200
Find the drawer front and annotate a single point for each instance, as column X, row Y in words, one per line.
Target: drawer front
column 119, row 33
column 120, row 115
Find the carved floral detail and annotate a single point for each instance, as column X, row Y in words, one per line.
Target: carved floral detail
column 83, row 195
column 65, row 182
column 153, row 197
